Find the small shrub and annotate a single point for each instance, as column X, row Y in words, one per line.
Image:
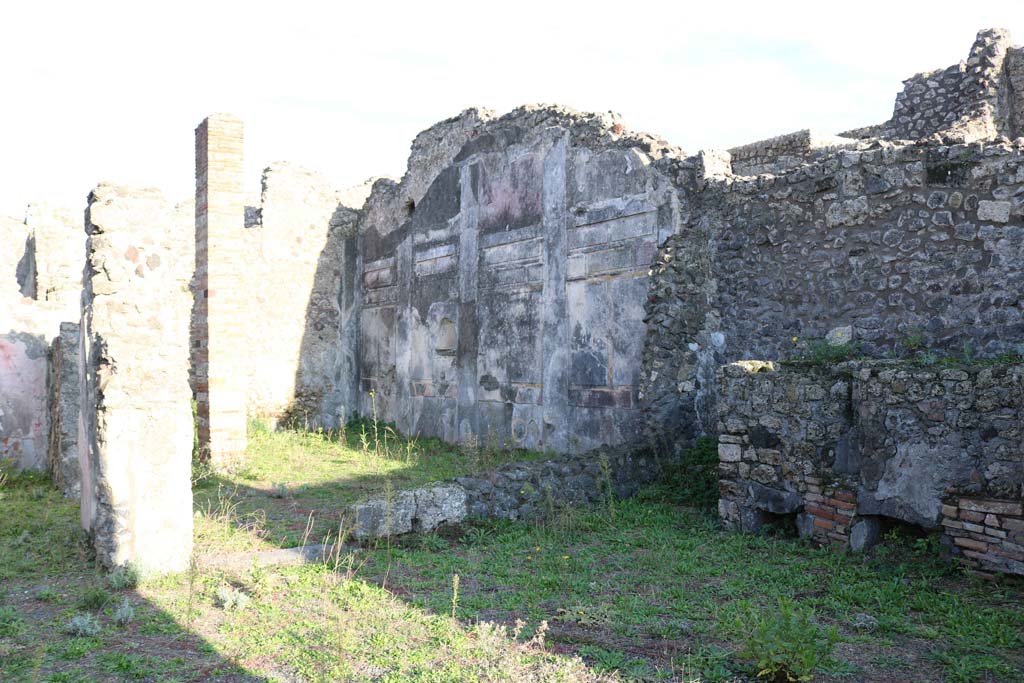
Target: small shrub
column 11, row 623
column 785, row 645
column 433, row 543
column 914, row 340
column 231, row 598
column 125, row 613
column 475, row 537
column 47, row 594
column 82, row 626
column 824, row 352
column 94, row 598
column 125, row 576
column 968, row 353
column 132, row 667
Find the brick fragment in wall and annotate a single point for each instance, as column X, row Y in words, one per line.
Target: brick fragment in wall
column 879, row 453
column 219, row 307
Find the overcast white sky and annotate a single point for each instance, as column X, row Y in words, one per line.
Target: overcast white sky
column 106, row 90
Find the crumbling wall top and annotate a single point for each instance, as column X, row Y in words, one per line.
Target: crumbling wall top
column 965, row 102
column 438, row 146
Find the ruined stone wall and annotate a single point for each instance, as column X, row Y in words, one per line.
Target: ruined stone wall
column 889, row 240
column 292, row 280
column 969, row 101
column 518, row 490
column 778, row 154
column 16, row 258
column 64, row 397
column 58, row 254
column 40, row 286
column 503, row 280
column 892, row 241
column 136, row 436
column 24, row 424
column 850, row 446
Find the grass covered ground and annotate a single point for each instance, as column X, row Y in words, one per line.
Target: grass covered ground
column 645, row 589
column 295, row 484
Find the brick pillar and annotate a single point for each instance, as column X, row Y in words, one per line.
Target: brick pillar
column 218, row 346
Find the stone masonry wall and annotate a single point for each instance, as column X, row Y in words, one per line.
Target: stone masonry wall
column 64, row 393
column 965, row 102
column 40, row 286
column 292, row 282
column 517, row 490
column 15, row 258
column 136, row 445
column 890, row 240
column 785, row 151
column 503, row 280
column 847, row 447
column 987, row 534
column 58, row 254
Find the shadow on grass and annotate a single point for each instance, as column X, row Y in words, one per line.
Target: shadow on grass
column 297, row 486
column 59, row 614
column 63, row 620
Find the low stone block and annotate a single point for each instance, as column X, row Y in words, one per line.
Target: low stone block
column 864, row 534
column 997, row 212
column 729, row 452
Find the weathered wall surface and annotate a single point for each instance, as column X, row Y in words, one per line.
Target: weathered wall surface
column 847, row 446
column 136, row 445
column 784, row 152
column 502, row 281
column 970, row 101
column 893, row 240
column 24, row 427
column 296, row 255
column 16, row 258
column 889, row 240
column 40, row 286
column 58, row 255
column 517, row 490
column 64, row 396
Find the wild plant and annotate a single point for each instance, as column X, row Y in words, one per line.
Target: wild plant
column 82, row 626
column 94, row 598
column 232, row 599
column 606, row 481
column 123, row 577
column 455, row 594
column 786, row 644
column 125, row 613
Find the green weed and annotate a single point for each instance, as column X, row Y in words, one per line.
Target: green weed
column 82, row 626
column 94, row 598
column 784, row 644
column 123, row 577
column 11, row 623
